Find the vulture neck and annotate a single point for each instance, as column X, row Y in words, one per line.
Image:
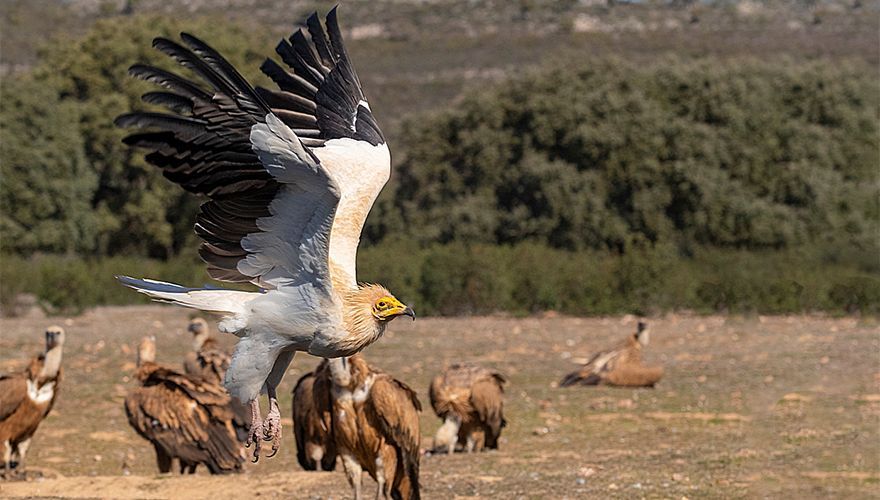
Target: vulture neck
column 348, row 374
column 51, row 363
column 340, row 374
column 145, row 369
column 199, row 340
column 361, row 326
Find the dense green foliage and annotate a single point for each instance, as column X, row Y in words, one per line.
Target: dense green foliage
column 58, row 126
column 590, row 188
column 735, row 154
column 46, row 182
column 458, row 279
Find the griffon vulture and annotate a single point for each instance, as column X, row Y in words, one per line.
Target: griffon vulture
column 470, row 400
column 207, row 360
column 184, row 417
column 312, row 422
column 375, row 424
column 290, row 176
column 621, row 366
column 27, row 397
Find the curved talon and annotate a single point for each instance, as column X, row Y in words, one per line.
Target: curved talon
column 254, row 439
column 272, row 427
column 273, row 434
column 255, row 430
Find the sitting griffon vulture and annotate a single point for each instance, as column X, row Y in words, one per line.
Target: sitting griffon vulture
column 312, row 423
column 184, row 417
column 621, row 366
column 470, row 400
column 26, row 398
column 375, row 424
column 207, row 360
column 290, row 176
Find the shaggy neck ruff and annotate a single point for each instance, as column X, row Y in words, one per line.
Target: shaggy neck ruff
column 362, row 326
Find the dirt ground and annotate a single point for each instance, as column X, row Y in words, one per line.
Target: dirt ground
column 749, row 407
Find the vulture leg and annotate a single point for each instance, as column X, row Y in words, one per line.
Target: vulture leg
column 163, row 460
column 256, row 429
column 471, row 443
column 7, row 457
column 380, row 478
column 272, row 424
column 19, row 453
column 353, row 473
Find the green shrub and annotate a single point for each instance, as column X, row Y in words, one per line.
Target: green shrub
column 459, row 279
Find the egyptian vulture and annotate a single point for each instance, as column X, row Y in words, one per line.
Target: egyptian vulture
column 290, row 176
column 27, row 397
column 470, row 400
column 312, row 422
column 375, row 425
column 184, row 417
column 621, row 366
column 207, row 359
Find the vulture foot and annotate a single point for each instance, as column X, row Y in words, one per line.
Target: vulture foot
column 254, row 434
column 272, row 426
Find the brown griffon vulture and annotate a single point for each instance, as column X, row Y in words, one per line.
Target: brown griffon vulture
column 26, row 398
column 312, row 423
column 621, row 366
column 470, row 400
column 375, row 424
column 207, row 359
column 184, row 417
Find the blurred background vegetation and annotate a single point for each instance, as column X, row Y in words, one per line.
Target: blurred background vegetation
column 587, row 157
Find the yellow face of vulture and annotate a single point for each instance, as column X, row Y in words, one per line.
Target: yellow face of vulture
column 388, row 307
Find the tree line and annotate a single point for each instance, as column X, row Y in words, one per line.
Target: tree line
column 659, row 163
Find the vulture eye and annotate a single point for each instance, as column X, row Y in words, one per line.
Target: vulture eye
column 382, row 304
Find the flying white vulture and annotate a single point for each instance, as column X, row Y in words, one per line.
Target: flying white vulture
column 291, row 175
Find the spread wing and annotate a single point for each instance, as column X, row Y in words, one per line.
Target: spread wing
column 319, row 96
column 272, row 195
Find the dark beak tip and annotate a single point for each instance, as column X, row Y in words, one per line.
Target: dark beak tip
column 410, row 312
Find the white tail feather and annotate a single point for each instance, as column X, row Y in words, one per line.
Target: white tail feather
column 215, row 300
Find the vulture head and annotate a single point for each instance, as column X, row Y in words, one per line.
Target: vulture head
column 374, row 303
column 54, row 337
column 643, row 334
column 199, row 328
column 385, row 307
column 146, row 351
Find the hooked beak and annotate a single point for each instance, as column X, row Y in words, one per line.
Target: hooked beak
column 409, row 312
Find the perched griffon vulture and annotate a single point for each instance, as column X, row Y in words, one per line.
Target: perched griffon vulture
column 470, row 400
column 290, row 175
column 312, row 422
column 26, row 398
column 184, row 417
column 207, row 360
column 375, row 424
column 621, row 366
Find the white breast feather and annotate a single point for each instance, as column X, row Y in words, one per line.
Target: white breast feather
column 40, row 395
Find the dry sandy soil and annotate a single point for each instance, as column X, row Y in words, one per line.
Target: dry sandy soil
column 749, row 407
